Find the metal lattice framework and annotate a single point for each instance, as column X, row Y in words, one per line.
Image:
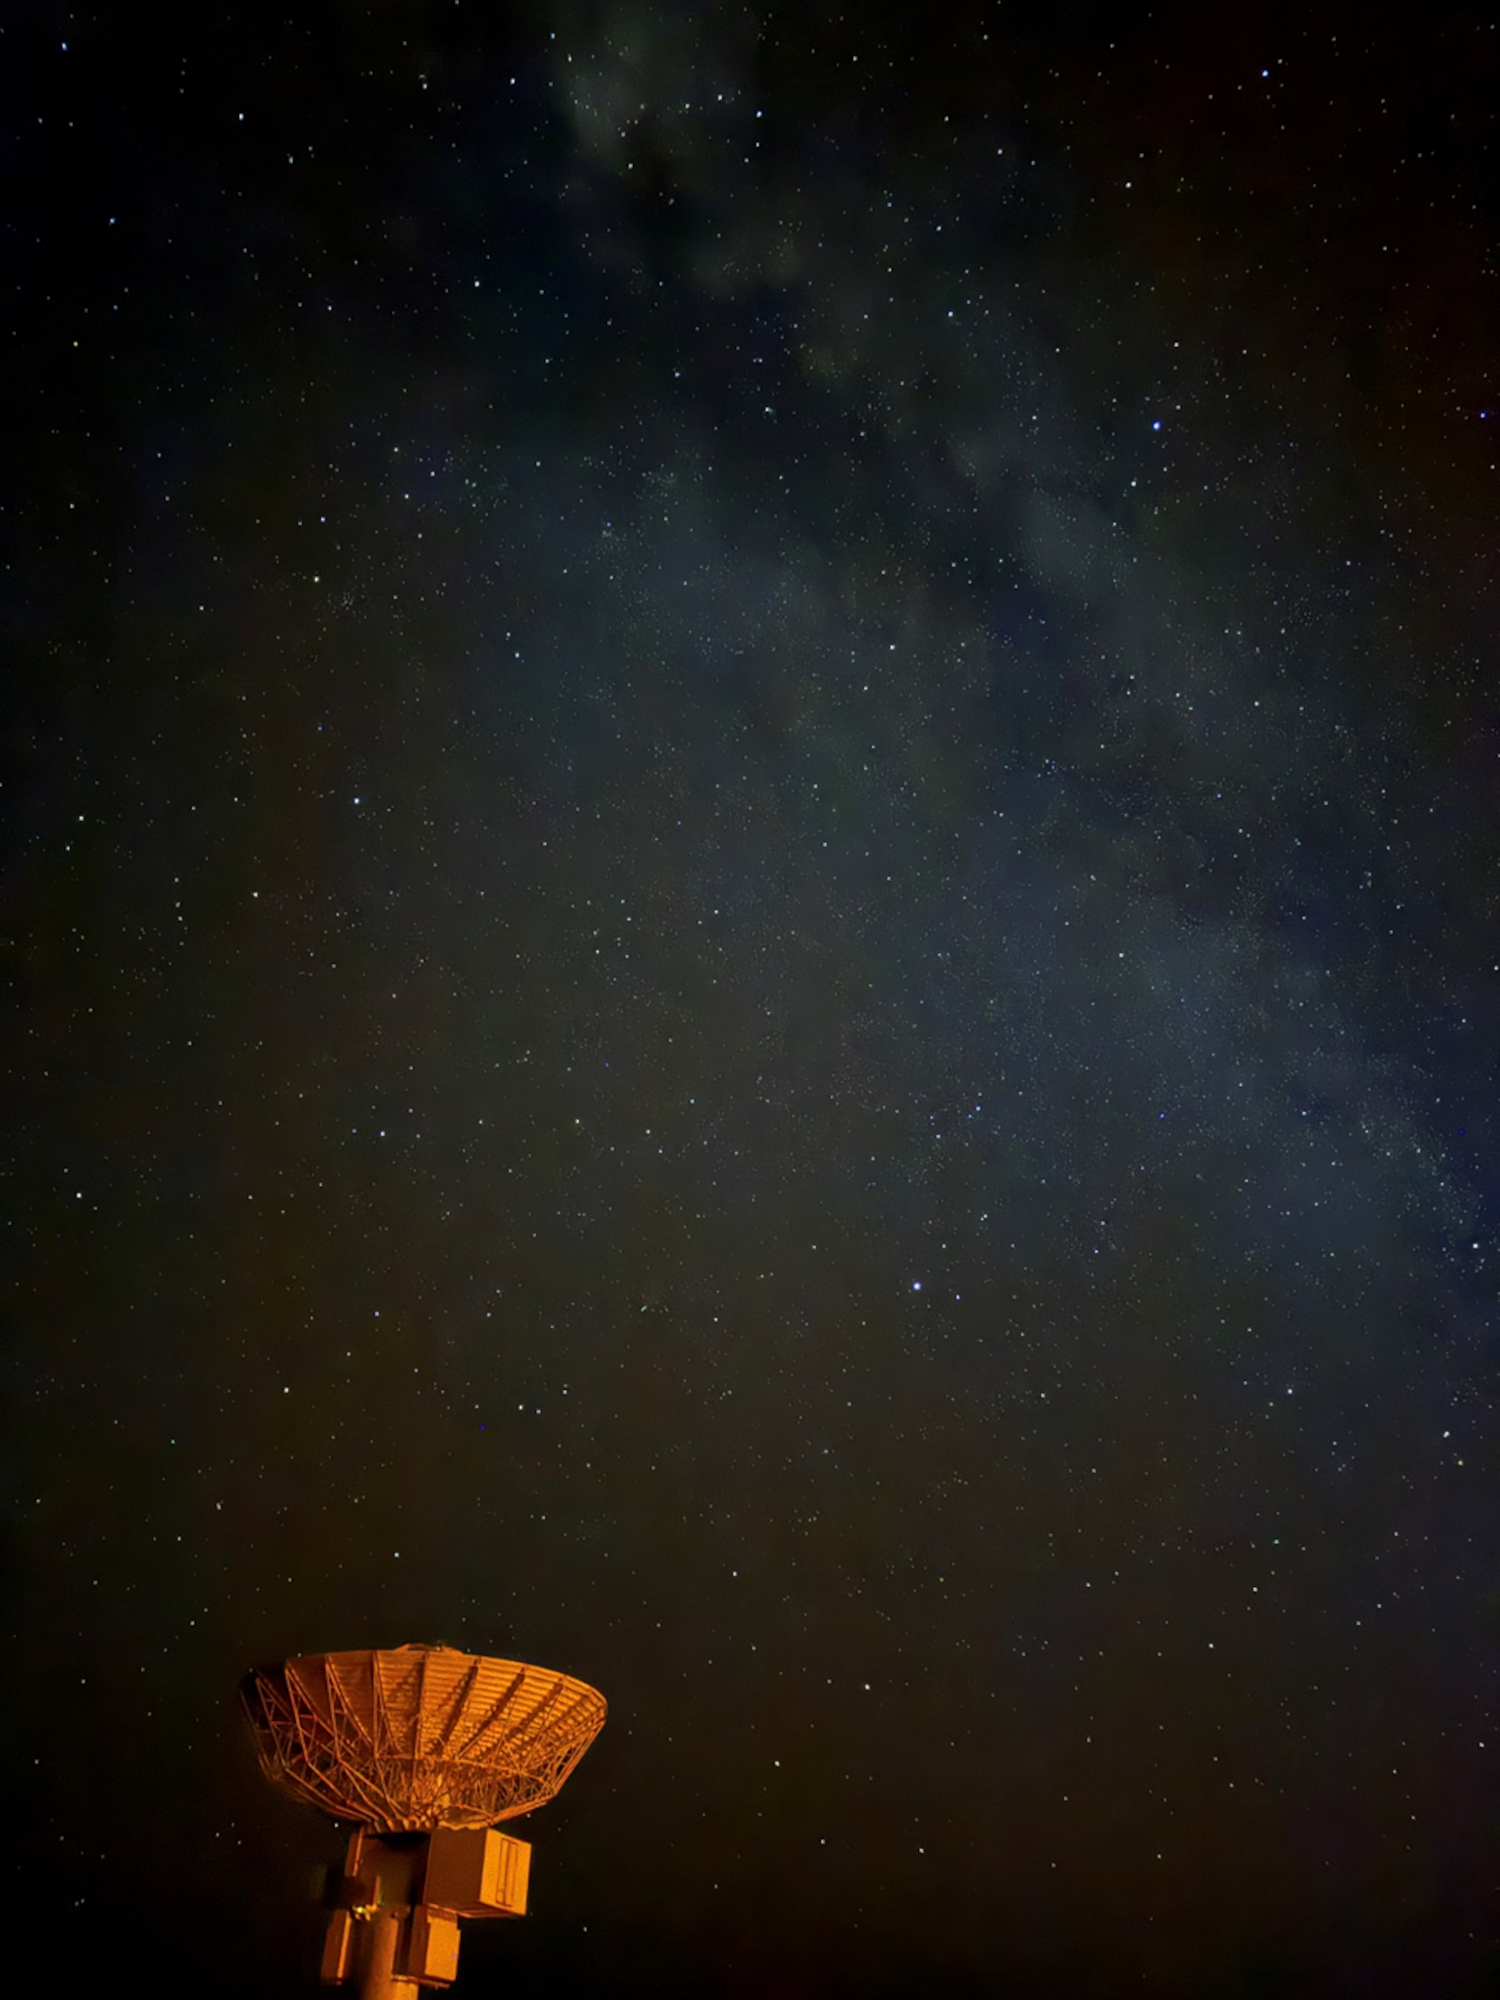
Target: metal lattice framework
column 420, row 1737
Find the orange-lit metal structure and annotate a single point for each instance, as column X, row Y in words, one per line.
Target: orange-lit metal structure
column 427, row 1750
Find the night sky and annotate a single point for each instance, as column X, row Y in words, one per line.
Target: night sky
column 753, row 822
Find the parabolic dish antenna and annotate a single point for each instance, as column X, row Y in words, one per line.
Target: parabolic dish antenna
column 419, row 1737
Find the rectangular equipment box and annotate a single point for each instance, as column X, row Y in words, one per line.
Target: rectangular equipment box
column 477, row 1872
column 336, row 1948
column 432, row 1947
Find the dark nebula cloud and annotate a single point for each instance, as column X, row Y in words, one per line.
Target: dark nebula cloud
column 753, row 773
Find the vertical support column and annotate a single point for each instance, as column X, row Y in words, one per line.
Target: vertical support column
column 385, row 1936
column 382, row 1935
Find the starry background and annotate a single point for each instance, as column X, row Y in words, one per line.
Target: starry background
column 752, row 793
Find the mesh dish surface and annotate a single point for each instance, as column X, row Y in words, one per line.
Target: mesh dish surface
column 419, row 1737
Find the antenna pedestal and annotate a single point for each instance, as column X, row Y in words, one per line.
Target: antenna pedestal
column 395, row 1929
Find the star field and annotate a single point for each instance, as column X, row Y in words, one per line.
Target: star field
column 752, row 774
